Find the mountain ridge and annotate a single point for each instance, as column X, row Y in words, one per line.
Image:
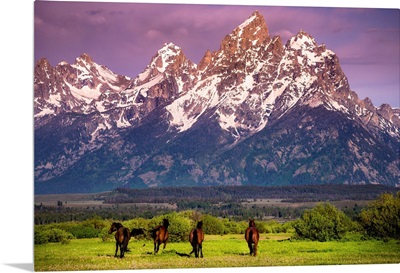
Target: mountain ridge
column 176, row 121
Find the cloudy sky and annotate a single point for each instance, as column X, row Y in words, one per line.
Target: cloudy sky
column 124, row 36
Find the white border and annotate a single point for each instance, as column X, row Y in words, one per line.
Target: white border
column 16, row 140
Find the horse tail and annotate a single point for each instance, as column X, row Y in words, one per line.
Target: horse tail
column 154, row 233
column 195, row 236
column 126, row 233
column 137, row 231
column 250, row 234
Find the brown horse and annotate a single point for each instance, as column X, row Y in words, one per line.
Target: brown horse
column 122, row 237
column 160, row 235
column 252, row 236
column 196, row 238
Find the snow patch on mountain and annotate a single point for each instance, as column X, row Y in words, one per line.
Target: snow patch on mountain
column 187, row 109
column 85, row 93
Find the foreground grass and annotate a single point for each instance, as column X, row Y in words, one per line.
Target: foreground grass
column 219, row 251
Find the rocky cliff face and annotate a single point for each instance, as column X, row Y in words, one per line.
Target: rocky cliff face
column 256, row 111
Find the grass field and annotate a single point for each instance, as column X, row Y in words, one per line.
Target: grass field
column 219, row 251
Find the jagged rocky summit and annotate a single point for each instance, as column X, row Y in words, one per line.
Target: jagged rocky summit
column 254, row 112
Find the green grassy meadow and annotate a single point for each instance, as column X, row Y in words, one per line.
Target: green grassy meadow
column 219, row 251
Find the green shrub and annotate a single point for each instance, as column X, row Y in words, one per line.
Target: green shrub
column 179, row 226
column 231, row 227
column 105, row 237
column 80, row 231
column 213, row 225
column 322, row 223
column 39, row 236
column 136, row 223
column 52, row 235
column 381, row 219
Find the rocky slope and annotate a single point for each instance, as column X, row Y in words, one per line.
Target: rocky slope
column 256, row 111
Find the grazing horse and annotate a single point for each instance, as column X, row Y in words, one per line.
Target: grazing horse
column 122, row 237
column 160, row 235
column 137, row 231
column 252, row 236
column 196, row 238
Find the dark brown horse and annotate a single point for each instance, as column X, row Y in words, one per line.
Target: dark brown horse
column 252, row 236
column 160, row 235
column 122, row 237
column 137, row 231
column 196, row 238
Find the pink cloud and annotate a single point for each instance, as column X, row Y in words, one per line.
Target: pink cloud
column 125, row 36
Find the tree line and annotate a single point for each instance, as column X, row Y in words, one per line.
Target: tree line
column 218, row 201
column 233, row 210
column 215, row 194
column 380, row 220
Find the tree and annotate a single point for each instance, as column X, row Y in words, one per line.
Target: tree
column 381, row 219
column 322, row 223
column 212, row 225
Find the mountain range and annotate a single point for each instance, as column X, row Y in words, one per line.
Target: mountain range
column 256, row 111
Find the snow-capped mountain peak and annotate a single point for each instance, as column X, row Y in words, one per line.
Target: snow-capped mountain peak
column 256, row 111
column 166, row 56
column 251, row 33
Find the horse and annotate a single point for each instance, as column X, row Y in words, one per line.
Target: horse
column 252, row 236
column 160, row 235
column 137, row 231
column 196, row 238
column 122, row 237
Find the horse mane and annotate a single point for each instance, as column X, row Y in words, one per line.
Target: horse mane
column 199, row 224
column 117, row 225
column 165, row 223
column 114, row 227
column 252, row 223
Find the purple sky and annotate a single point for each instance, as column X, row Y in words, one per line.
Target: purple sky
column 124, row 36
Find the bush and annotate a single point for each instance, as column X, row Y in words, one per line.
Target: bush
column 213, row 225
column 179, row 226
column 105, row 237
column 381, row 219
column 40, row 237
column 231, row 227
column 53, row 235
column 139, row 223
column 322, row 223
column 80, row 232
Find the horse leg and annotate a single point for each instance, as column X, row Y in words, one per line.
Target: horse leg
column 201, row 250
column 116, row 249
column 126, row 242
column 250, row 247
column 255, row 249
column 124, row 246
column 157, row 246
column 165, row 244
column 196, row 250
column 121, row 250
